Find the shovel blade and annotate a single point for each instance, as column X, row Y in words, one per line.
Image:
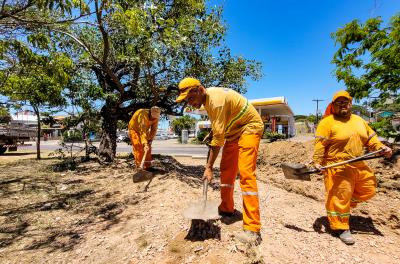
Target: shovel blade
column 295, row 171
column 142, row 175
column 202, row 211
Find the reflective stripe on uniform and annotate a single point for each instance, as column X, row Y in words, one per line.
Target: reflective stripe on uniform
column 354, row 200
column 333, row 213
column 250, row 193
column 373, row 134
column 226, row 185
column 237, row 117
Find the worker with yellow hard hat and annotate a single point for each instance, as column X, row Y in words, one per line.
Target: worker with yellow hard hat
column 142, row 129
column 237, row 126
column 341, row 136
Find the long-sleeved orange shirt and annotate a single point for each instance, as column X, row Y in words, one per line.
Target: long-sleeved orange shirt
column 338, row 140
column 141, row 124
column 231, row 115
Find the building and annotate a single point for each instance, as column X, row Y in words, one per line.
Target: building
column 27, row 117
column 275, row 113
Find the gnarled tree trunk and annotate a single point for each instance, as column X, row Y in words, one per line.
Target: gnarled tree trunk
column 108, row 140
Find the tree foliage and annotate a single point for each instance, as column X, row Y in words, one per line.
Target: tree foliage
column 5, row 116
column 368, row 59
column 385, row 129
column 137, row 51
column 184, row 122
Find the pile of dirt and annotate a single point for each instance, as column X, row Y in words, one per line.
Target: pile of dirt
column 387, row 172
column 274, row 154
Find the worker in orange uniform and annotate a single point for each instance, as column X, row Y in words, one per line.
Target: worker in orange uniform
column 142, row 130
column 341, row 136
column 238, row 127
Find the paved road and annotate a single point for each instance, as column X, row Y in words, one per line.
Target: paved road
column 166, row 147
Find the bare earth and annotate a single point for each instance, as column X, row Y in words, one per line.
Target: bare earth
column 53, row 213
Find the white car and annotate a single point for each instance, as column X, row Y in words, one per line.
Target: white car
column 162, row 136
column 122, row 138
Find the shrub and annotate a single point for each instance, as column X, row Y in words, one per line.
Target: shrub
column 385, row 129
column 181, row 123
column 273, row 136
column 72, row 136
column 5, row 116
column 201, row 135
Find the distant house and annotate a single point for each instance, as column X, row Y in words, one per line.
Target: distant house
column 27, row 117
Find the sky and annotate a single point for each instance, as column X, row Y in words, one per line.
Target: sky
column 292, row 40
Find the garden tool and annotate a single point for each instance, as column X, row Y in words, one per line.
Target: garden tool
column 203, row 209
column 141, row 174
column 298, row 171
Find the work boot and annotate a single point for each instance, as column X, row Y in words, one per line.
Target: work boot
column 249, row 238
column 346, row 237
column 228, row 214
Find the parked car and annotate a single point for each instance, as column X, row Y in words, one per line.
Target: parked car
column 172, row 136
column 122, row 138
column 162, row 136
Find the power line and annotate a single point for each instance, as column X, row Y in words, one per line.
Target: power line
column 316, row 113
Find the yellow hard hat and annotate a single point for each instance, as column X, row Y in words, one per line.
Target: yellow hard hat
column 185, row 86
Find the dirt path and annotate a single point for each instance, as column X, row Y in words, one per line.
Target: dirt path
column 95, row 214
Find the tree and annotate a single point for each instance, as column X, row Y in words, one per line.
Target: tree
column 31, row 71
column 37, row 81
column 360, row 110
column 181, row 123
column 5, row 116
column 139, row 50
column 368, row 60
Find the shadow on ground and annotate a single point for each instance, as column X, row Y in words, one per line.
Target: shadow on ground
column 50, row 204
column 358, row 225
column 191, row 175
column 16, row 154
column 40, row 209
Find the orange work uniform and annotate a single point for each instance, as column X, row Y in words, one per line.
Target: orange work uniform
column 339, row 140
column 236, row 121
column 141, row 132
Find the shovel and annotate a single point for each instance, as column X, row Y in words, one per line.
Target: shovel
column 141, row 174
column 298, row 171
column 203, row 209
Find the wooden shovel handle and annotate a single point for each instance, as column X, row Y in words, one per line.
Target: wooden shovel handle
column 144, row 158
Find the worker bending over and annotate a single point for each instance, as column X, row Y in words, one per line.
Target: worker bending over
column 341, row 136
column 142, row 130
column 238, row 127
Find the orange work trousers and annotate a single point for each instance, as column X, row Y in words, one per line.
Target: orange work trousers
column 138, row 150
column 241, row 155
column 345, row 187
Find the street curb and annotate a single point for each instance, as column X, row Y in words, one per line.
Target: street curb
column 189, row 156
column 199, row 157
column 182, row 155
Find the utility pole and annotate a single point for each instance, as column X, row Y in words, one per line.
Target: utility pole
column 317, row 100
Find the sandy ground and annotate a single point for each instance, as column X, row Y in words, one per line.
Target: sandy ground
column 51, row 212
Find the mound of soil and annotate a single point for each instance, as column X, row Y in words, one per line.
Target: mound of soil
column 387, row 172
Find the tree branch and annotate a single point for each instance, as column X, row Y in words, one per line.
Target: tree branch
column 15, row 11
column 104, row 34
column 37, row 22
